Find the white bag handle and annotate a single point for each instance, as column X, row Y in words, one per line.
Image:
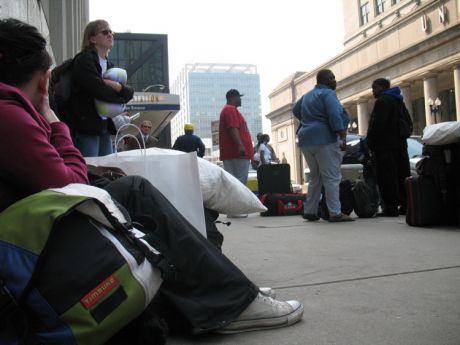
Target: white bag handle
column 117, row 139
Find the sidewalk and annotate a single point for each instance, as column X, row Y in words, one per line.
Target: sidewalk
column 371, row 282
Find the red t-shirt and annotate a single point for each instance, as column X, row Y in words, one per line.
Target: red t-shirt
column 230, row 117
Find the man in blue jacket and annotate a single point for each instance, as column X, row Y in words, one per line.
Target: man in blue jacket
column 322, row 137
column 189, row 142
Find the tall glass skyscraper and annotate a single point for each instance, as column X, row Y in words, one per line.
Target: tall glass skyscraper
column 202, row 88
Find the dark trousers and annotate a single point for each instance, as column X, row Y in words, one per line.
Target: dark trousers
column 392, row 167
column 208, row 290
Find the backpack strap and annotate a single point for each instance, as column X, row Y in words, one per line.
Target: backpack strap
column 14, row 323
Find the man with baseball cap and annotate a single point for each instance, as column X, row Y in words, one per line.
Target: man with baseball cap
column 235, row 143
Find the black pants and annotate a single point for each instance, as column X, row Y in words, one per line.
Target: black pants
column 392, row 167
column 208, row 289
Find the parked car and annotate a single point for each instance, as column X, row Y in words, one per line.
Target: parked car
column 351, row 167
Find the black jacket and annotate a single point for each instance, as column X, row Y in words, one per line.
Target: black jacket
column 189, row 143
column 88, row 85
column 383, row 132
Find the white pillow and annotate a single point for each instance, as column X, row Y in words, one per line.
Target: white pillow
column 221, row 191
column 442, row 133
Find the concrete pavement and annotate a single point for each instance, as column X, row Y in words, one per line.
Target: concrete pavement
column 371, row 282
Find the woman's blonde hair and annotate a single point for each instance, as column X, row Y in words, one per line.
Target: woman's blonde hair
column 91, row 29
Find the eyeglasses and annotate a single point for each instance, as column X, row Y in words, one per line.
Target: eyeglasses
column 144, row 126
column 107, row 32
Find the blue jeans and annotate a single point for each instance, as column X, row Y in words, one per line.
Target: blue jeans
column 93, row 145
column 238, row 168
column 324, row 162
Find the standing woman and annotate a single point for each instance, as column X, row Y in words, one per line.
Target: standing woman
column 91, row 131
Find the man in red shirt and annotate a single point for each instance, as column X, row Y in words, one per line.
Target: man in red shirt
column 235, row 143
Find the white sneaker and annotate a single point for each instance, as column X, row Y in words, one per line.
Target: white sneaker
column 265, row 313
column 268, row 291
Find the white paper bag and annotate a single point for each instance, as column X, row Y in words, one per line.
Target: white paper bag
column 175, row 176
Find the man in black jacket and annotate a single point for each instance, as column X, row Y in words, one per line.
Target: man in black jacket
column 189, row 142
column 387, row 141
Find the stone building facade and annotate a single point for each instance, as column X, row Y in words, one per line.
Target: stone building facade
column 414, row 43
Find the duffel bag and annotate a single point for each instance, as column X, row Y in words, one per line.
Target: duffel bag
column 366, row 199
column 74, row 268
column 279, row 204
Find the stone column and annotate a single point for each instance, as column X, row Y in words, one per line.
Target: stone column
column 457, row 90
column 406, row 93
column 363, row 116
column 430, row 90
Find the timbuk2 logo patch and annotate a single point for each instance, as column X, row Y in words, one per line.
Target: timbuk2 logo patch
column 95, row 295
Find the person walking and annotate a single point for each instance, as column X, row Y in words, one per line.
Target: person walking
column 388, row 145
column 322, row 137
column 91, row 132
column 235, row 143
column 189, row 142
column 146, row 138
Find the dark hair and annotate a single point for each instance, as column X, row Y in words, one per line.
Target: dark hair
column 322, row 75
column 263, row 138
column 385, row 83
column 22, row 52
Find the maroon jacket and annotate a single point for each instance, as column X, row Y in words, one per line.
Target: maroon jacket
column 34, row 155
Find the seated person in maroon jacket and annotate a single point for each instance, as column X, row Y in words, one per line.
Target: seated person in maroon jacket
column 208, row 292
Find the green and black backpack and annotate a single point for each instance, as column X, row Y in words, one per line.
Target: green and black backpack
column 72, row 269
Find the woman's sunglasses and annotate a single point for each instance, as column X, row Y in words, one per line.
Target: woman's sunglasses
column 107, row 32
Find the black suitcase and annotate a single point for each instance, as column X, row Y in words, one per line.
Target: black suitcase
column 274, row 178
column 424, row 201
column 279, row 204
column 442, row 164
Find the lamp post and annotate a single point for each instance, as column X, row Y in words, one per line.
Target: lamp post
column 160, row 86
column 352, row 127
column 435, row 107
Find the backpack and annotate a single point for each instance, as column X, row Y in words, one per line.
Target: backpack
column 406, row 127
column 59, row 90
column 73, row 270
column 366, row 199
column 346, row 200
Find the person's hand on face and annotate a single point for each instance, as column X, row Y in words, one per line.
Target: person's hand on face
column 44, row 103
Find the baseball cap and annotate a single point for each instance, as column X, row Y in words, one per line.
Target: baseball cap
column 232, row 93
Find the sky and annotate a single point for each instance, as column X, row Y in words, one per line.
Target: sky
column 279, row 37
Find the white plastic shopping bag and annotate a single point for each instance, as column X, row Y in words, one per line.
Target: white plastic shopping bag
column 177, row 177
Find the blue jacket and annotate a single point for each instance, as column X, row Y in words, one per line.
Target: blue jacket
column 321, row 116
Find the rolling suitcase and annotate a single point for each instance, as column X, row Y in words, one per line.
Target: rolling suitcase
column 424, row 201
column 279, row 204
column 274, row 178
column 442, row 164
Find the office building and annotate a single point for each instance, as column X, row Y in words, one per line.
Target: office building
column 145, row 59
column 202, row 88
column 414, row 43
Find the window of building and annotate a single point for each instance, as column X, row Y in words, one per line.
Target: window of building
column 379, row 6
column 364, row 11
column 394, row 2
